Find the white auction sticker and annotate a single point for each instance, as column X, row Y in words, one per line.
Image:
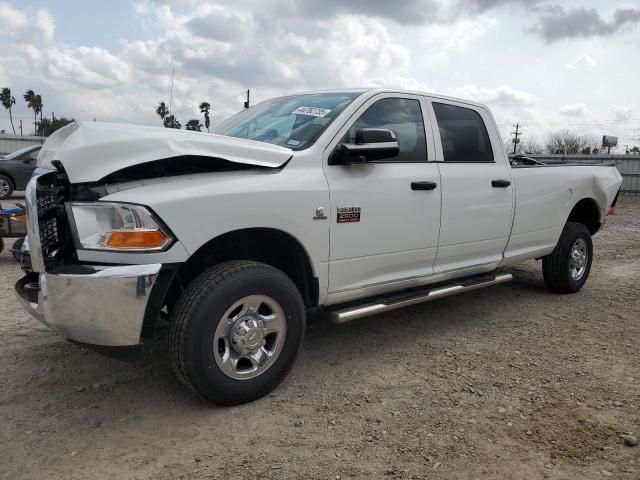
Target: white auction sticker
column 311, row 111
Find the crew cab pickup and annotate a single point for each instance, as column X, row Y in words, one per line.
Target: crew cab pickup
column 353, row 201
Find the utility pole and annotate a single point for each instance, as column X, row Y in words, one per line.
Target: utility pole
column 246, row 103
column 20, row 127
column 515, row 140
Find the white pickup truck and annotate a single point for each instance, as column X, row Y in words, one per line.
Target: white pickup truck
column 354, row 201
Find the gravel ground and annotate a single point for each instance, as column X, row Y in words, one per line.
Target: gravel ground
column 506, row 382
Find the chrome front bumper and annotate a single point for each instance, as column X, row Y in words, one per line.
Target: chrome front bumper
column 99, row 305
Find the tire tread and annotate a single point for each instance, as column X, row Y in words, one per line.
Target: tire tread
column 184, row 310
column 554, row 271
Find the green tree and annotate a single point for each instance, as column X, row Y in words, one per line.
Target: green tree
column 46, row 126
column 162, row 111
column 8, row 101
column 170, row 121
column 39, row 106
column 34, row 102
column 193, row 124
column 205, row 108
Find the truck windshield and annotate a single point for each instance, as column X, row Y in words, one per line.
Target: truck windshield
column 294, row 122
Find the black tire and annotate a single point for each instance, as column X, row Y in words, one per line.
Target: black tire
column 202, row 306
column 16, row 250
column 556, row 266
column 6, row 187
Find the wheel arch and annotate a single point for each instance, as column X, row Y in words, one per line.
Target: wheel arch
column 271, row 246
column 587, row 212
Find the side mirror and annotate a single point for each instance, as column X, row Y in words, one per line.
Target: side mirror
column 371, row 144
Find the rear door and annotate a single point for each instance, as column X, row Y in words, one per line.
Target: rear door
column 394, row 222
column 477, row 195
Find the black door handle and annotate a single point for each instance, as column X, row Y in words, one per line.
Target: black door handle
column 500, row 183
column 423, row 185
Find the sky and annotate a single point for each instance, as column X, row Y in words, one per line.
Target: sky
column 550, row 65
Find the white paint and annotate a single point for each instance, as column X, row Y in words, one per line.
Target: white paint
column 90, row 151
column 398, row 243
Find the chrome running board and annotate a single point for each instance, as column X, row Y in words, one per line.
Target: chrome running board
column 414, row 298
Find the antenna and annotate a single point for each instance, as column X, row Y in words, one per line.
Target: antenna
column 171, row 93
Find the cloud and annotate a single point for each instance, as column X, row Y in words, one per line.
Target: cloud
column 503, row 95
column 221, row 24
column 557, row 23
column 583, row 61
column 456, row 36
column 89, row 67
column 575, row 110
column 622, row 113
column 34, row 26
column 484, row 5
column 407, row 12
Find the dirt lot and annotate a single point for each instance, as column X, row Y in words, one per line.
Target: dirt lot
column 508, row 382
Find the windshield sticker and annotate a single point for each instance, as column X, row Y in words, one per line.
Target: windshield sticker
column 293, row 143
column 311, row 111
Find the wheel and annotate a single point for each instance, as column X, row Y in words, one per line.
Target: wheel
column 236, row 331
column 6, row 187
column 16, row 250
column 565, row 270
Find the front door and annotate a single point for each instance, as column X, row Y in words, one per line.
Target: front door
column 477, row 196
column 383, row 228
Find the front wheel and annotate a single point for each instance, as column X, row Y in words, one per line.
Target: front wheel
column 236, row 331
column 6, row 187
column 565, row 270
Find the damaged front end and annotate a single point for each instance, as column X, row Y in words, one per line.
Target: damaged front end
column 92, row 304
column 107, row 287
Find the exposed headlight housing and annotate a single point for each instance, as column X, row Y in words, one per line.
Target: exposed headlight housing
column 120, row 227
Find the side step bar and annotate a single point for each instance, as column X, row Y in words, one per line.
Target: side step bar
column 394, row 303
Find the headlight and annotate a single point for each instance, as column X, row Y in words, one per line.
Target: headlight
column 119, row 227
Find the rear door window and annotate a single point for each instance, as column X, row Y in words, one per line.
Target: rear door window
column 463, row 134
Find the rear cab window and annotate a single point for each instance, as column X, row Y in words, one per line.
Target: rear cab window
column 463, row 134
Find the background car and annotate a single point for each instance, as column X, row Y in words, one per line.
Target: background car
column 16, row 169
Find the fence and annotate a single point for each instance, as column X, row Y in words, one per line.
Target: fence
column 11, row 143
column 628, row 165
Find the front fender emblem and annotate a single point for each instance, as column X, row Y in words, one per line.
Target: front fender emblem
column 348, row 214
column 320, row 214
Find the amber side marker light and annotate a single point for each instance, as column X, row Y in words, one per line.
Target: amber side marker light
column 138, row 239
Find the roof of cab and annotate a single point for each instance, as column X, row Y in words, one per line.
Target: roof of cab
column 376, row 90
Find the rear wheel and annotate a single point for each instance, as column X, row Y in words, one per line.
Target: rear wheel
column 236, row 331
column 566, row 269
column 6, row 187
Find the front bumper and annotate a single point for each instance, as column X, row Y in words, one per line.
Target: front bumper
column 99, row 305
column 92, row 304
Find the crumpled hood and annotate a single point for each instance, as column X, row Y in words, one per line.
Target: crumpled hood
column 89, row 151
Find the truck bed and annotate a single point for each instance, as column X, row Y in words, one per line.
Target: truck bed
column 521, row 161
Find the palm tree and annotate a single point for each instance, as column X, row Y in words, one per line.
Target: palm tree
column 38, row 106
column 204, row 108
column 8, row 101
column 34, row 102
column 171, row 121
column 194, row 125
column 162, row 110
